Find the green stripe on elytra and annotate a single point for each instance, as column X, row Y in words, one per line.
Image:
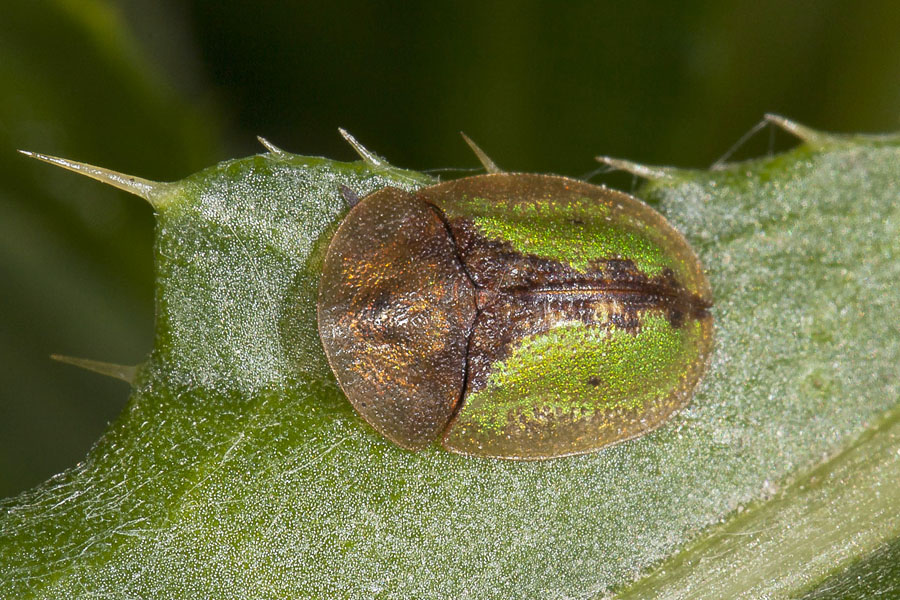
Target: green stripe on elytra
column 576, row 370
column 552, row 230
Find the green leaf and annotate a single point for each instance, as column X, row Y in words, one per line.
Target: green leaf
column 238, row 470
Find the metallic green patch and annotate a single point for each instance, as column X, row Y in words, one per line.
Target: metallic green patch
column 575, row 232
column 577, row 371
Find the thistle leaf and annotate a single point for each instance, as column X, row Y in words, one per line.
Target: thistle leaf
column 238, row 470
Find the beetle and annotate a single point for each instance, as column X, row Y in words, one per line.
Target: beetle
column 512, row 315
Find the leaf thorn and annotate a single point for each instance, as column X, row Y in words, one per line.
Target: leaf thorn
column 802, row 132
column 270, row 146
column 124, row 372
column 151, row 191
column 645, row 171
column 369, row 157
column 486, row 162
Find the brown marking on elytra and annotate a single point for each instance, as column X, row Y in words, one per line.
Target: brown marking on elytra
column 519, row 295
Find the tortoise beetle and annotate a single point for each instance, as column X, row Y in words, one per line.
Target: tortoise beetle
column 515, row 316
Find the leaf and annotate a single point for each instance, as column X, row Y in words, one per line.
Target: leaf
column 238, row 470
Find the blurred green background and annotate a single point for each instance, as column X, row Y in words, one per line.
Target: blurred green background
column 160, row 89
